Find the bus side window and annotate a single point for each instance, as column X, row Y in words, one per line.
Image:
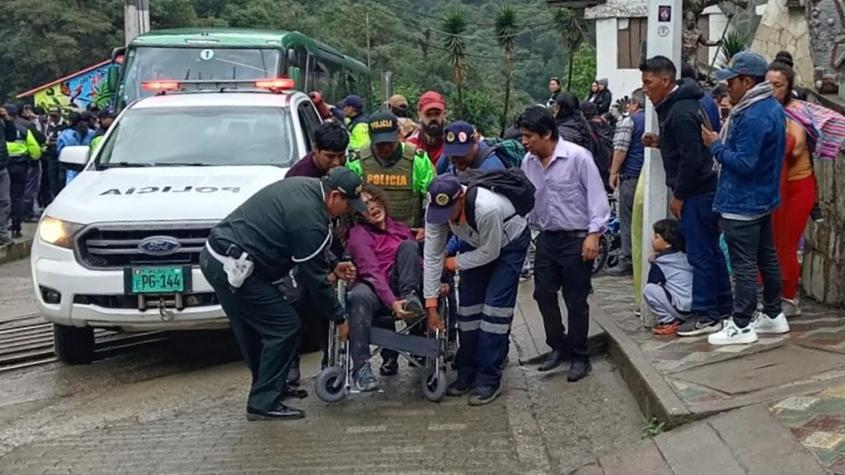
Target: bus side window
column 297, row 59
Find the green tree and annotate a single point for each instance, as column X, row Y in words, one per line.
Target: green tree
column 172, row 14
column 506, row 35
column 454, row 24
column 567, row 25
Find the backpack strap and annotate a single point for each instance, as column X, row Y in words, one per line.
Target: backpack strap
column 469, row 206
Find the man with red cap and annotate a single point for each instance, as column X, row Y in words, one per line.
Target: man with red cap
column 429, row 137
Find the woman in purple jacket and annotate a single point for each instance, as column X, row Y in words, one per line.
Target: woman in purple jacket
column 389, row 280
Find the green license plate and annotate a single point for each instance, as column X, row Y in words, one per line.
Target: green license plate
column 156, row 280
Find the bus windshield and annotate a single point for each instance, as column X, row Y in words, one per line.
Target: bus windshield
column 151, row 63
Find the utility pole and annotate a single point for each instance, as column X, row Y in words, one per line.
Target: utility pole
column 369, row 61
column 136, row 18
column 664, row 39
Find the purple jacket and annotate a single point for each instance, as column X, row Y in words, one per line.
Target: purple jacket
column 374, row 252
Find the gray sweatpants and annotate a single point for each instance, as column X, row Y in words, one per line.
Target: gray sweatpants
column 657, row 299
column 5, row 203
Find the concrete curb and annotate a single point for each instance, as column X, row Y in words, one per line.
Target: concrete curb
column 653, row 394
column 15, row 251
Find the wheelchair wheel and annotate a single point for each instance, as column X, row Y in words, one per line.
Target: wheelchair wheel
column 330, row 384
column 434, row 386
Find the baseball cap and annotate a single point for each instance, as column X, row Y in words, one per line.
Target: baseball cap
column 384, row 128
column 431, row 100
column 397, row 101
column 442, row 196
column 352, row 101
column 106, row 114
column 349, row 185
column 458, row 139
column 746, row 63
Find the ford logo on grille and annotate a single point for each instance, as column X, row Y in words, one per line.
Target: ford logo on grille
column 159, row 245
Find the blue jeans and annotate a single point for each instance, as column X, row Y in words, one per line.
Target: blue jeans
column 486, row 299
column 711, row 285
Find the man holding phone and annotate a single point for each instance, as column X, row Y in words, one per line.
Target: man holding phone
column 692, row 179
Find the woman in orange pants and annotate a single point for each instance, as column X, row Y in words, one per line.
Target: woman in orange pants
column 798, row 191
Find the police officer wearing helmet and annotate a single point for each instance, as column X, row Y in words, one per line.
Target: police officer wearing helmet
column 286, row 224
column 465, row 151
column 400, row 169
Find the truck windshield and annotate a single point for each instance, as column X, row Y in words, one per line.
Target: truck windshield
column 151, row 63
column 200, row 136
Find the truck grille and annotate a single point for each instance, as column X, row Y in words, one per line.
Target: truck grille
column 107, row 246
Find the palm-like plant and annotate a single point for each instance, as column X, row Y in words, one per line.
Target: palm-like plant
column 736, row 41
column 568, row 27
column 454, row 24
column 506, row 36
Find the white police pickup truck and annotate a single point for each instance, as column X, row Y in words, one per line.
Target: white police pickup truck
column 119, row 247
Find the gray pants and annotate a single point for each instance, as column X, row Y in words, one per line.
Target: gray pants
column 627, row 189
column 658, row 301
column 5, row 204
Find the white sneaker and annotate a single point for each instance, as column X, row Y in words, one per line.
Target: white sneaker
column 790, row 308
column 762, row 323
column 730, row 334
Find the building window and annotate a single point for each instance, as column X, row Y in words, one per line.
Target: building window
column 631, row 35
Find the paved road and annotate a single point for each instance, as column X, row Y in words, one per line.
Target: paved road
column 177, row 407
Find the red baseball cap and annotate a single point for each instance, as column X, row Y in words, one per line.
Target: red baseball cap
column 431, row 100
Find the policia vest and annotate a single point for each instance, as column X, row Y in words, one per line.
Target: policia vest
column 397, row 181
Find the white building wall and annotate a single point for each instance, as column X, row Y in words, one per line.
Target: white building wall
column 718, row 21
column 621, row 82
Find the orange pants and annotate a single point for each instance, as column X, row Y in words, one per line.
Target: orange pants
column 789, row 221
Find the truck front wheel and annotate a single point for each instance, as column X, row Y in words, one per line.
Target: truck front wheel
column 73, row 345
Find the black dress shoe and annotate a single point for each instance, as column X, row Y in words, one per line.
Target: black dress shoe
column 555, row 359
column 389, row 367
column 294, row 392
column 578, row 370
column 281, row 413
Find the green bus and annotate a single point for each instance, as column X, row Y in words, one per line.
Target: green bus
column 231, row 53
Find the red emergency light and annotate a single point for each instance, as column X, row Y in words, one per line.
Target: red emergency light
column 160, row 85
column 275, row 83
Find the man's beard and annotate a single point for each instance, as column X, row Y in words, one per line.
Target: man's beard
column 434, row 129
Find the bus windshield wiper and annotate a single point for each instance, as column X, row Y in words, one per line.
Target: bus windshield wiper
column 180, row 164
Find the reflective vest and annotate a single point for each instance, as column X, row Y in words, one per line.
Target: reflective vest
column 25, row 146
column 397, row 181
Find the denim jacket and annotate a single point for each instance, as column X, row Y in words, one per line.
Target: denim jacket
column 749, row 181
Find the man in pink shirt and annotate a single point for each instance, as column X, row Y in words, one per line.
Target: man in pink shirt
column 387, row 258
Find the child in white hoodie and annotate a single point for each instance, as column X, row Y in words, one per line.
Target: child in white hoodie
column 668, row 291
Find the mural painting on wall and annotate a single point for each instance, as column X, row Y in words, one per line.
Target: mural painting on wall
column 827, row 32
column 78, row 92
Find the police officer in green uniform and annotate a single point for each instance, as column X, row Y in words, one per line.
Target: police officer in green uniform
column 286, row 224
column 402, row 171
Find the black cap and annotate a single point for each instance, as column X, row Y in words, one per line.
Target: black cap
column 106, row 114
column 349, row 185
column 384, row 128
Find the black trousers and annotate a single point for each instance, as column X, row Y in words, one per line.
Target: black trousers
column 265, row 326
column 751, row 245
column 365, row 308
column 558, row 267
column 52, row 179
column 17, row 175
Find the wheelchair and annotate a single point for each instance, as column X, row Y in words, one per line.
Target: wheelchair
column 334, row 382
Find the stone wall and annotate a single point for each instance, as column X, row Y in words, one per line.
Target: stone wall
column 783, row 28
column 823, row 275
column 827, row 37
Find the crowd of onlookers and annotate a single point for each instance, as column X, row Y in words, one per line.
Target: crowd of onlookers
column 30, row 173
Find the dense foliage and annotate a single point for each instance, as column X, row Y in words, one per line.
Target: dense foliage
column 44, row 39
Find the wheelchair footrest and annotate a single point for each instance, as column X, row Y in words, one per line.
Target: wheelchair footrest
column 415, row 345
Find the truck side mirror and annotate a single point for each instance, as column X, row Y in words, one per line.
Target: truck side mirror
column 74, row 155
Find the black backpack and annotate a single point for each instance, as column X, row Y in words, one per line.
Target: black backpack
column 603, row 152
column 511, row 183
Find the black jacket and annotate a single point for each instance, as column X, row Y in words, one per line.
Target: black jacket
column 604, row 100
column 688, row 162
column 9, row 134
column 576, row 130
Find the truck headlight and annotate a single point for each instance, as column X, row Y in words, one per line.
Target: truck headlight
column 57, row 232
